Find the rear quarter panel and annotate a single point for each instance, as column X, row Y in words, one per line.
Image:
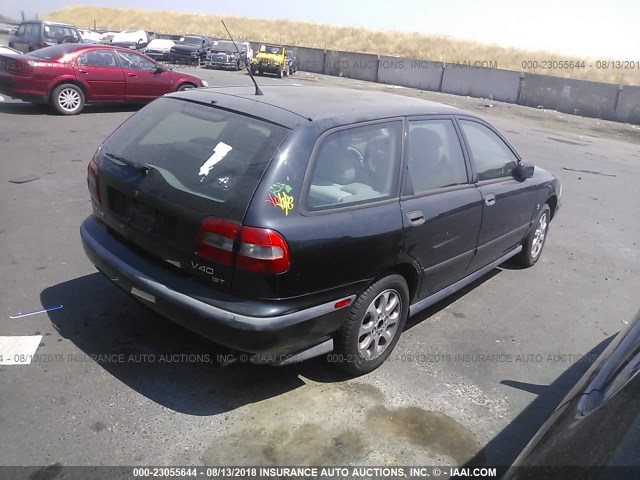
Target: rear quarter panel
column 332, row 253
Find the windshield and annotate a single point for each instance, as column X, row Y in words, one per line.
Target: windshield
column 225, row 47
column 191, row 41
column 270, row 49
column 199, row 150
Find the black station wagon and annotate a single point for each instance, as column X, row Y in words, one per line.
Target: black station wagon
column 308, row 219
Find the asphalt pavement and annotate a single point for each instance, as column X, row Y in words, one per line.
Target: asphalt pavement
column 472, row 378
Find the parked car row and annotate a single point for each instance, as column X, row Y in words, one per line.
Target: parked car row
column 68, row 76
column 189, row 49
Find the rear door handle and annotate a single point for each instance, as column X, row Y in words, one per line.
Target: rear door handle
column 490, row 199
column 416, row 218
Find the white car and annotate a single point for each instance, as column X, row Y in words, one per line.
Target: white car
column 90, row 36
column 134, row 39
column 4, row 50
column 159, row 48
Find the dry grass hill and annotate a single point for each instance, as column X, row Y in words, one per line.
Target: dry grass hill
column 308, row 34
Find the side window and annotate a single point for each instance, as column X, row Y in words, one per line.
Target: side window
column 21, row 30
column 32, row 30
column 52, row 32
column 356, row 165
column 97, row 58
column 491, row 156
column 134, row 61
column 434, row 156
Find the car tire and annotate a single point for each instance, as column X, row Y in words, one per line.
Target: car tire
column 361, row 345
column 534, row 242
column 185, row 86
column 67, row 99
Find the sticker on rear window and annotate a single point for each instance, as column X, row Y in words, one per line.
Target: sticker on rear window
column 279, row 197
column 219, row 152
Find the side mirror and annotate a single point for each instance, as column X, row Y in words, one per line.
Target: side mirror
column 160, row 69
column 523, row 170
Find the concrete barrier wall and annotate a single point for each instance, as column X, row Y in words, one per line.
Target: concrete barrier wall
column 361, row 66
column 408, row 72
column 628, row 108
column 310, row 59
column 501, row 85
column 579, row 97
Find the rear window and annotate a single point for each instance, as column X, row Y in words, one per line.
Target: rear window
column 191, row 41
column 199, row 150
column 58, row 32
column 55, row 51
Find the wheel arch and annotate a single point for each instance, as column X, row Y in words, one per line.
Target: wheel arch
column 185, row 82
column 72, row 81
column 552, row 201
column 411, row 274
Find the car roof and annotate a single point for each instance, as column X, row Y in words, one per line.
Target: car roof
column 67, row 48
column 289, row 105
column 47, row 22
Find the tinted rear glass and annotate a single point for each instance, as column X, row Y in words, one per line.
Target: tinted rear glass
column 191, row 41
column 202, row 151
column 55, row 51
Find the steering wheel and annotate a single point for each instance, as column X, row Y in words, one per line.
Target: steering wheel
column 356, row 153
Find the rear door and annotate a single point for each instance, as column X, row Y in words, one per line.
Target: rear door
column 441, row 208
column 99, row 69
column 508, row 204
column 20, row 41
column 143, row 82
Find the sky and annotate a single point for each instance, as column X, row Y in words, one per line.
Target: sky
column 596, row 29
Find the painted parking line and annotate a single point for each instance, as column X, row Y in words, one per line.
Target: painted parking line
column 35, row 312
column 18, row 350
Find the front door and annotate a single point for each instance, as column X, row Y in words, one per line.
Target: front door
column 144, row 81
column 508, row 204
column 441, row 208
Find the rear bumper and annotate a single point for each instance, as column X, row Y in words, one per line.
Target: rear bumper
column 179, row 298
column 21, row 88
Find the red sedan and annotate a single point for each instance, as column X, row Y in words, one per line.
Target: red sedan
column 69, row 76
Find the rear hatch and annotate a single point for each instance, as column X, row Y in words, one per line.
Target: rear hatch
column 177, row 177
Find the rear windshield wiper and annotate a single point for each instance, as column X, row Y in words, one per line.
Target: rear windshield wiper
column 144, row 168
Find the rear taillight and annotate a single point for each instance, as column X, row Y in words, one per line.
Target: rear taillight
column 262, row 250
column 256, row 249
column 216, row 240
column 92, row 181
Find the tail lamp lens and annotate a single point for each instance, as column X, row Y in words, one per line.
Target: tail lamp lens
column 259, row 250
